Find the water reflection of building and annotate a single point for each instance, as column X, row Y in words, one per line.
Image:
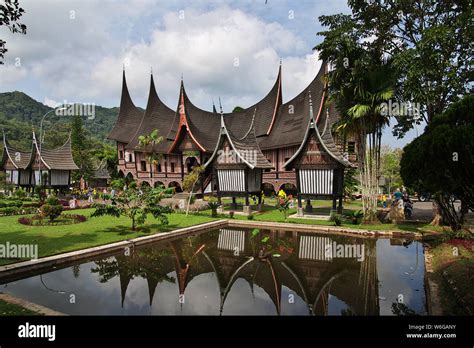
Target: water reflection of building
column 292, row 260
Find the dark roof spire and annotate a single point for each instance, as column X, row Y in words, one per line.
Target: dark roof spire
column 214, row 110
column 220, row 105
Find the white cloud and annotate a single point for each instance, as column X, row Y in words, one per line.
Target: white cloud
column 81, row 58
column 11, row 74
column 50, row 102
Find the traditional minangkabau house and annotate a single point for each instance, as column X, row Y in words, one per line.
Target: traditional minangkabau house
column 237, row 165
column 318, row 163
column 279, row 131
column 49, row 167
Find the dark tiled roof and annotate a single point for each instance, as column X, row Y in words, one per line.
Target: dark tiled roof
column 288, row 122
column 292, row 118
column 324, row 130
column 59, row 158
column 247, row 146
column 128, row 119
column 156, row 116
column 20, row 159
column 204, row 125
column 267, row 108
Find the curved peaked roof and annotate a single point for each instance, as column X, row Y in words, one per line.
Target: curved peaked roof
column 19, row 159
column 59, row 158
column 204, row 125
column 320, row 125
column 156, row 116
column 266, row 109
column 128, row 119
column 245, row 147
column 201, row 126
column 274, row 124
column 291, row 121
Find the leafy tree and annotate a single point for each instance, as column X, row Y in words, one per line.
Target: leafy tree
column 147, row 143
column 361, row 81
column 10, row 14
column 80, row 150
column 350, row 182
column 441, row 161
column 190, row 181
column 431, row 46
column 238, row 109
column 107, row 153
column 135, row 204
column 391, row 167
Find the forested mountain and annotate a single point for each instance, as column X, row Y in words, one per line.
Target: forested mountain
column 19, row 112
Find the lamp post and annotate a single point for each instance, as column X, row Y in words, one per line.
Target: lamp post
column 61, row 292
column 41, row 142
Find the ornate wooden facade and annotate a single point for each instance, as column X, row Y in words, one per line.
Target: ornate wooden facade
column 192, row 134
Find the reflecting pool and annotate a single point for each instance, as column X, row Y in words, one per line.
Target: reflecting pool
column 235, row 271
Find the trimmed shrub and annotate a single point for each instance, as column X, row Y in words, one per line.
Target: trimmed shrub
column 10, row 203
column 8, row 211
column 53, row 200
column 337, row 218
column 66, row 219
column 51, row 211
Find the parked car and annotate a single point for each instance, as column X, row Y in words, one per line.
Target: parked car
column 424, row 196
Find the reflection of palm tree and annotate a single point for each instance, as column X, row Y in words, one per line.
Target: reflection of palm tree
column 368, row 282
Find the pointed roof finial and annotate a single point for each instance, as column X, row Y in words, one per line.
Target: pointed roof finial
column 220, row 105
column 214, row 110
column 123, row 67
column 311, row 115
column 151, row 70
column 280, row 61
column 181, row 76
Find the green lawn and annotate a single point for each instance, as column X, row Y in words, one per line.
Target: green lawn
column 271, row 214
column 103, row 230
column 7, row 308
column 95, row 231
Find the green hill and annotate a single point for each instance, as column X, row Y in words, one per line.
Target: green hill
column 19, row 112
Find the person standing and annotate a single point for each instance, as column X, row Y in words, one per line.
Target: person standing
column 384, row 201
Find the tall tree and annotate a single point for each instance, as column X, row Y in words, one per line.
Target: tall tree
column 190, row 181
column 10, row 13
column 441, row 161
column 361, row 80
column 391, row 167
column 81, row 151
column 431, row 46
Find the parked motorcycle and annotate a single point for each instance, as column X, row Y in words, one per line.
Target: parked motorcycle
column 408, row 208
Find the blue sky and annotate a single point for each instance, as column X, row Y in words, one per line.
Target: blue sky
column 75, row 50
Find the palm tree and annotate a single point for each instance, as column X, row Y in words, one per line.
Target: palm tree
column 370, row 87
column 147, row 143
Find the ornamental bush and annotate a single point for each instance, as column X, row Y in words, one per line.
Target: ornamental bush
column 51, row 209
